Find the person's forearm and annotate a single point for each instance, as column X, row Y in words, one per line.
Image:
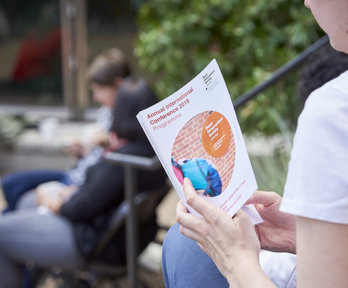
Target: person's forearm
column 77, row 209
column 322, row 259
column 249, row 275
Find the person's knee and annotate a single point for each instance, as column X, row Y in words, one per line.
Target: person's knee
column 14, row 185
column 7, row 183
column 184, row 262
column 168, row 256
column 171, row 244
column 178, row 252
column 171, row 233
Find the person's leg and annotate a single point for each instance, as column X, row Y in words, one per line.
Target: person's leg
column 14, row 185
column 27, row 201
column 184, row 264
column 28, row 237
column 11, row 275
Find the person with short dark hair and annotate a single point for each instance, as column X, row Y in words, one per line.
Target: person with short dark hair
column 105, row 75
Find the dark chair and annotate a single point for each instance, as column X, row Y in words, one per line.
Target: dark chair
column 95, row 273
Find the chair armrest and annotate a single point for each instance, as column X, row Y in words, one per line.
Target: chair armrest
column 140, row 162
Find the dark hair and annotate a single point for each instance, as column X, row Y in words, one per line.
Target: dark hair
column 133, row 96
column 107, row 66
column 323, row 66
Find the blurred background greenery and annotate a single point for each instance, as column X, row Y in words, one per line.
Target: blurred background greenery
column 10, row 128
column 169, row 42
column 250, row 39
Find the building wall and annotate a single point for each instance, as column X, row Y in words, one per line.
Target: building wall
column 188, row 144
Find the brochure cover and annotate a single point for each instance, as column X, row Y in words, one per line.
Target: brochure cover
column 195, row 134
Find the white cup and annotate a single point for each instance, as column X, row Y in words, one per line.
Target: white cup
column 48, row 128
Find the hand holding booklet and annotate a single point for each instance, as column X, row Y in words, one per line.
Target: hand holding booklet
column 195, row 134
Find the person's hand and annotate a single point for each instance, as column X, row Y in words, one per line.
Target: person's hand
column 67, row 192
column 76, row 149
column 115, row 142
column 54, row 204
column 99, row 137
column 278, row 231
column 50, row 200
column 231, row 243
column 54, row 199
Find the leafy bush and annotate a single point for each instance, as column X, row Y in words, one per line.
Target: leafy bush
column 250, row 39
column 271, row 165
column 10, row 128
column 270, row 171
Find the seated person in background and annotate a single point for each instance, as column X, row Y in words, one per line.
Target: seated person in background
column 105, row 75
column 64, row 233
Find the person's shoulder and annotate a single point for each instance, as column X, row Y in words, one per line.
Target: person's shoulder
column 137, row 148
column 340, row 83
column 329, row 100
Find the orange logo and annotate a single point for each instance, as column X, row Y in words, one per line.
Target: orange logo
column 216, row 134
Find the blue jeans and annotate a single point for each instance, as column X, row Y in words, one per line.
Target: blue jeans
column 14, row 185
column 184, row 264
column 47, row 240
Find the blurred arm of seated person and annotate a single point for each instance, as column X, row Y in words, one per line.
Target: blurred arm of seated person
column 99, row 138
column 113, row 142
column 94, row 136
column 75, row 148
column 53, row 195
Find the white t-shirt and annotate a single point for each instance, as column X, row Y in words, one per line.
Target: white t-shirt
column 317, row 181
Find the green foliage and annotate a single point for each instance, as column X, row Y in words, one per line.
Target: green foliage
column 271, row 168
column 249, row 38
column 10, row 128
column 270, row 171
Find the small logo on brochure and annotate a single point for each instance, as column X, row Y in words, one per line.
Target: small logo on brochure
column 210, row 80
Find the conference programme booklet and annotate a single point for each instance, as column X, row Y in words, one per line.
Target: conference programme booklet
column 195, row 134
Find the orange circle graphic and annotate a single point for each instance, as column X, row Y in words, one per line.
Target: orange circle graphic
column 216, row 134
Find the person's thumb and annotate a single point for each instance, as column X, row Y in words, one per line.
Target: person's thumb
column 265, row 198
